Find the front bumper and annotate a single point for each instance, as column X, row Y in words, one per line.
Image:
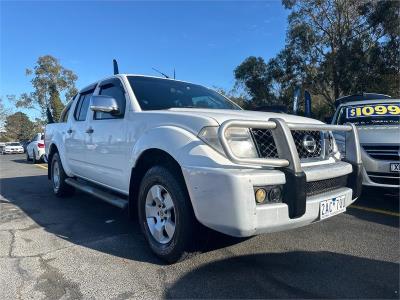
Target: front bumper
column 223, row 196
column 376, row 173
column 41, row 153
column 13, row 151
column 223, row 199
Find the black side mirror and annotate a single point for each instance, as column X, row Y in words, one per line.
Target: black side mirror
column 328, row 120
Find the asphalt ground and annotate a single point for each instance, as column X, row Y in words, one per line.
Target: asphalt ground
column 80, row 247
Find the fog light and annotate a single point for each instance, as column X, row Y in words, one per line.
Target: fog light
column 261, row 194
column 275, row 195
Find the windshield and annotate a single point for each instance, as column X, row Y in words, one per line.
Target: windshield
column 370, row 114
column 13, row 144
column 156, row 94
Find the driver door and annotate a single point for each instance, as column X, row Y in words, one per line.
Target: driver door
column 107, row 145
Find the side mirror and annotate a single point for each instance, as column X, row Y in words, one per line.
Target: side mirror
column 328, row 120
column 104, row 104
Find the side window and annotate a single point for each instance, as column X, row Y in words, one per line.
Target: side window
column 82, row 106
column 65, row 112
column 112, row 88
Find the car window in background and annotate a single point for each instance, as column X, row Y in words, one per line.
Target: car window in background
column 370, row 114
column 38, row 137
column 13, row 144
column 156, row 94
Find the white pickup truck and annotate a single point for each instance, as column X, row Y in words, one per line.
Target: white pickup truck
column 179, row 154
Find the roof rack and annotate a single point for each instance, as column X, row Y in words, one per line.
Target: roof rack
column 360, row 97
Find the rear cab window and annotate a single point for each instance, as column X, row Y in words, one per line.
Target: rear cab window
column 83, row 102
column 66, row 110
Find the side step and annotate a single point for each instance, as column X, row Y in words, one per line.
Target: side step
column 91, row 190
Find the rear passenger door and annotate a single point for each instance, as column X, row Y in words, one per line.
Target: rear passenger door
column 76, row 135
column 107, row 142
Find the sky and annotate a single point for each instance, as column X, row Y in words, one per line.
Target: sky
column 204, row 41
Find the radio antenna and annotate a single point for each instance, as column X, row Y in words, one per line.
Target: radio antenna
column 174, row 74
column 159, row 72
column 115, row 64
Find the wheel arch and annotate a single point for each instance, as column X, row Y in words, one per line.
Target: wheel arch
column 147, row 159
column 52, row 150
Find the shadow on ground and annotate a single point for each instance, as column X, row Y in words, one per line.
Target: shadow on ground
column 84, row 220
column 377, row 198
column 287, row 275
column 20, row 160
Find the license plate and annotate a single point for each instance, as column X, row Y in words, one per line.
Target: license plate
column 331, row 207
column 395, row 167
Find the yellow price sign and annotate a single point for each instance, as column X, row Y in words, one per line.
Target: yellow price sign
column 374, row 110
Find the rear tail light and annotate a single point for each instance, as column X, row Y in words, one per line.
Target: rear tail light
column 40, row 145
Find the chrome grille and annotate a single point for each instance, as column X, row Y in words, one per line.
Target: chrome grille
column 384, row 178
column 383, row 152
column 265, row 143
column 300, row 136
column 267, row 148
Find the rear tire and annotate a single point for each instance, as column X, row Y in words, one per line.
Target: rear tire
column 58, row 176
column 167, row 220
column 34, row 160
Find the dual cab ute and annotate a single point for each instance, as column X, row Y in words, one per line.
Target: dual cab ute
column 179, row 155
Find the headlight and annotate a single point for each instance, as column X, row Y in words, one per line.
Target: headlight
column 239, row 140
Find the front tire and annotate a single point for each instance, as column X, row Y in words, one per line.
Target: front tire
column 166, row 215
column 58, row 176
column 28, row 159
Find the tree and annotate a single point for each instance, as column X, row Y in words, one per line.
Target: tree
column 18, row 127
column 50, row 79
column 333, row 48
column 252, row 74
column 3, row 113
column 344, row 46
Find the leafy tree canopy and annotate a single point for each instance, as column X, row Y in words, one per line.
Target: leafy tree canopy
column 253, row 76
column 18, row 127
column 4, row 112
column 50, row 79
column 333, row 48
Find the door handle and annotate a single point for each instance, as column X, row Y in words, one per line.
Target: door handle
column 69, row 131
column 89, row 130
